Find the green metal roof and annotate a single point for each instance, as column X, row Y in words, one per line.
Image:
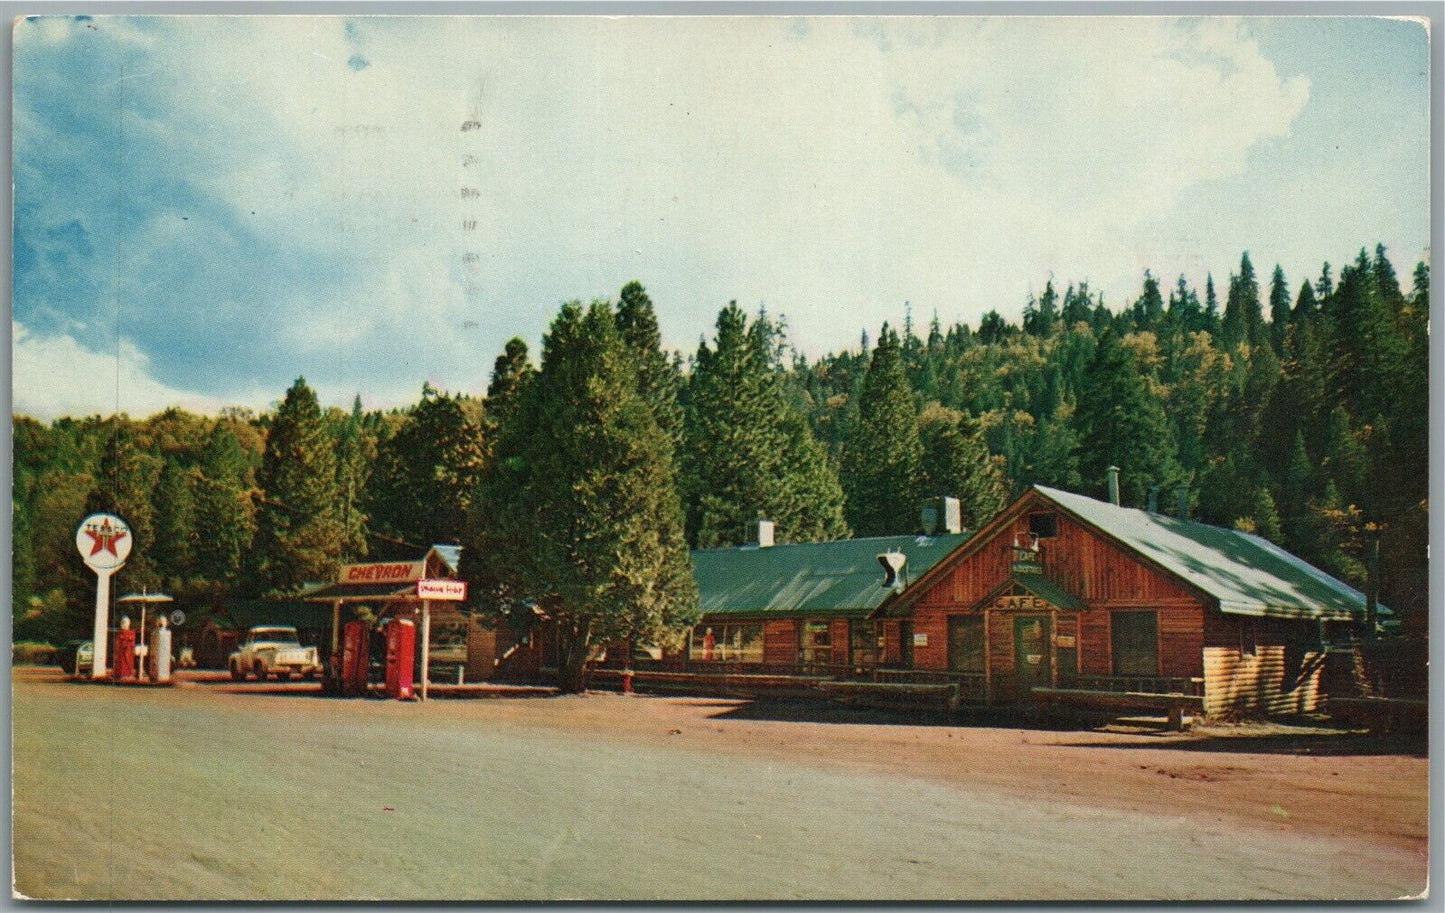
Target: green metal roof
column 841, row 579
column 1247, row 574
column 1049, row 591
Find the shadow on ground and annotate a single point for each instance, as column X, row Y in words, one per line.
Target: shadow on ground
column 1318, row 742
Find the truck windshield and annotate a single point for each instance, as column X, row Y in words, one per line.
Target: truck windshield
column 276, row 635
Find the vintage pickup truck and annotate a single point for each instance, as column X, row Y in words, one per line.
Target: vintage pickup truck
column 273, row 650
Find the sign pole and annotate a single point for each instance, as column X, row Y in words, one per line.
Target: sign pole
column 104, row 542
column 101, row 636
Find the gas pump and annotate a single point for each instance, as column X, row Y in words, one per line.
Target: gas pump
column 160, row 653
column 355, row 657
column 400, row 656
column 124, row 653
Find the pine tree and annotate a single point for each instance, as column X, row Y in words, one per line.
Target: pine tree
column 660, row 380
column 747, row 451
column 1120, row 423
column 354, row 457
column 1265, row 517
column 225, row 513
column 176, row 532
column 1211, row 308
column 1243, row 315
column 882, row 458
column 427, row 473
column 1294, row 490
column 126, row 485
column 1305, row 306
column 584, row 490
column 300, row 535
column 1279, row 309
column 956, row 463
column 510, row 375
column 1148, row 309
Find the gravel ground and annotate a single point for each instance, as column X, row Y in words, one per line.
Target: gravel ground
column 214, row 791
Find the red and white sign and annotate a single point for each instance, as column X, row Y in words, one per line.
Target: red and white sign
column 104, row 542
column 383, row 572
column 449, row 590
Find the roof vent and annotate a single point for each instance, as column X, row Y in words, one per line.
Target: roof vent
column 942, row 515
column 1112, row 473
column 893, row 564
column 760, row 533
column 1181, row 502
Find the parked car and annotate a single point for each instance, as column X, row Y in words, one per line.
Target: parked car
column 76, row 657
column 273, row 650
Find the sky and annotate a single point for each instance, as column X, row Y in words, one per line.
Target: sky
column 207, row 208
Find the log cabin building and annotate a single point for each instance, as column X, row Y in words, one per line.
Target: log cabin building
column 809, row 607
column 1065, row 591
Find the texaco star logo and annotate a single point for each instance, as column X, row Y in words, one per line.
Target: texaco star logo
column 105, row 538
column 104, row 542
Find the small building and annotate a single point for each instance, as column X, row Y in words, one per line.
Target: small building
column 1065, row 591
column 809, row 607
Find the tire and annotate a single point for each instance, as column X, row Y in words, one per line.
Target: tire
column 236, row 673
column 308, row 675
column 260, row 670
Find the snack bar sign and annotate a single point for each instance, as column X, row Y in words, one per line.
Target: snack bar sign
column 383, row 572
column 447, row 590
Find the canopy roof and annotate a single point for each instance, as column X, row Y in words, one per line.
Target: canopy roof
column 841, row 579
column 1247, row 574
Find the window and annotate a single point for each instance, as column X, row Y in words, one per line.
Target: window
column 1136, row 642
column 866, row 642
column 1045, row 526
column 966, row 643
column 817, row 643
column 726, row 643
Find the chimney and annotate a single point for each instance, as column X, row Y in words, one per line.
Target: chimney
column 1153, row 499
column 1113, row 474
column 942, row 515
column 1181, row 502
column 760, row 533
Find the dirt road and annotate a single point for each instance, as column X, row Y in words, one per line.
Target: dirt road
column 216, row 792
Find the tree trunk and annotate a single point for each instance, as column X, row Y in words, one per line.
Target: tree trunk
column 574, row 642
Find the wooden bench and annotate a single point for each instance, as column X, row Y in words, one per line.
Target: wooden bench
column 948, row 694
column 1174, row 704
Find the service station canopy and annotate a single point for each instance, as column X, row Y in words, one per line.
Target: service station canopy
column 430, row 578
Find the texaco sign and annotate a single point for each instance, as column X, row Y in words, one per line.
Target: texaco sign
column 104, row 542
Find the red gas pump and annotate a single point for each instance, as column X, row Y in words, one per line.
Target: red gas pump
column 400, row 655
column 123, row 652
column 355, row 658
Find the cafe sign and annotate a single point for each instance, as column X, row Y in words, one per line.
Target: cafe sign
column 1026, row 601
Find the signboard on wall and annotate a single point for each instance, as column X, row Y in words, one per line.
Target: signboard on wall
column 449, row 590
column 1027, row 601
column 920, row 640
column 383, row 572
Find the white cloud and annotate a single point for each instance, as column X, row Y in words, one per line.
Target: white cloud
column 831, row 171
column 57, row 376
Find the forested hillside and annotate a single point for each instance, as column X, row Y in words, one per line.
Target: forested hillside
column 1299, row 412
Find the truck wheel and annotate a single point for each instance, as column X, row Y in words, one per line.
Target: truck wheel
column 236, row 673
column 308, row 675
column 260, row 672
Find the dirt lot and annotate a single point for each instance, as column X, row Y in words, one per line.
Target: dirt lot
column 214, row 791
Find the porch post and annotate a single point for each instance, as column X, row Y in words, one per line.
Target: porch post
column 425, row 645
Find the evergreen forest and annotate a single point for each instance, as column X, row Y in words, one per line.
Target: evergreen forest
column 1297, row 410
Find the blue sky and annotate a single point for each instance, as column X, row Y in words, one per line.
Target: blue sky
column 206, row 207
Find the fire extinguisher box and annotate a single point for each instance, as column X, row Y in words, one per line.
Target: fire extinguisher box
column 400, row 655
column 354, row 658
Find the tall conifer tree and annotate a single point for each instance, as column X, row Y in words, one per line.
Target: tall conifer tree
column 882, row 458
column 584, row 490
column 300, row 535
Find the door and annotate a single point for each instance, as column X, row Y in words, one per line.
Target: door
column 1031, row 653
